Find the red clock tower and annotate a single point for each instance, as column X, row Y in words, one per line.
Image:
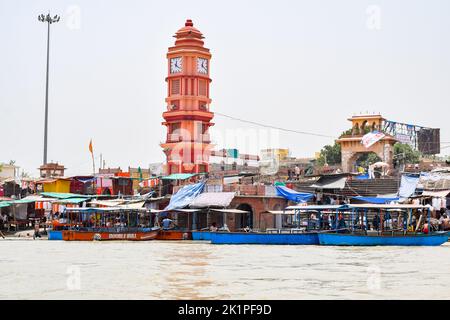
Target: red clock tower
column 188, row 118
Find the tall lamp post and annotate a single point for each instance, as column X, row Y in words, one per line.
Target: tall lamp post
column 49, row 20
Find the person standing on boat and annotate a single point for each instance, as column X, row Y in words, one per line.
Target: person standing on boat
column 167, row 223
column 376, row 222
column 341, row 223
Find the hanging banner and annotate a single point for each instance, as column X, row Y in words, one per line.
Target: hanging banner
column 371, row 138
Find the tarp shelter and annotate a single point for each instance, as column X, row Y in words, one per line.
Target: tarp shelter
column 107, row 203
column 293, row 195
column 185, row 196
column 230, row 210
column 212, row 199
column 376, row 200
column 408, row 186
column 436, row 194
column 229, row 180
column 134, row 205
column 330, row 183
column 63, row 195
column 4, row 204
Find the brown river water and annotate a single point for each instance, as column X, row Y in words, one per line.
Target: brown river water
column 44, row 269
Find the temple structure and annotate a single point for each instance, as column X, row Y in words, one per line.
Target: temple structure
column 188, row 117
column 352, row 148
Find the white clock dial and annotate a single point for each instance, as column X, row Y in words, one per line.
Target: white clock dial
column 176, row 64
column 202, row 65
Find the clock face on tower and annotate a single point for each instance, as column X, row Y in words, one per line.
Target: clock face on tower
column 176, row 65
column 202, row 65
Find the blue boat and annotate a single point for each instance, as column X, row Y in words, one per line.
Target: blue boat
column 201, row 235
column 340, row 239
column 305, row 238
column 54, row 234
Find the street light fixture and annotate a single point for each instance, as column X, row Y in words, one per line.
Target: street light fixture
column 49, row 20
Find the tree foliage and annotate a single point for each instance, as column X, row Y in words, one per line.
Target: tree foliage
column 404, row 153
column 330, row 154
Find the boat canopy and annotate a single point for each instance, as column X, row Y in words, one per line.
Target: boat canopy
column 317, row 207
column 230, row 210
column 376, row 200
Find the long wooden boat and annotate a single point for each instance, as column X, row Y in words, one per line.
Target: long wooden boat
column 174, row 235
column 341, row 239
column 101, row 234
column 304, row 238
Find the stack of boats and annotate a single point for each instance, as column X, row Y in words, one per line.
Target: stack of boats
column 345, row 225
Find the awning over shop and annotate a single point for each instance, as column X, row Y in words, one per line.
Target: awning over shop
column 4, row 204
column 107, row 203
column 59, row 195
column 135, row 205
column 438, row 194
column 330, row 183
column 71, row 200
column 178, row 176
column 230, row 210
column 213, row 199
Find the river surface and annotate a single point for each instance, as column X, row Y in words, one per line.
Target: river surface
column 45, row 269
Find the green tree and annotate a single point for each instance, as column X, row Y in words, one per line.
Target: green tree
column 330, row 154
column 406, row 154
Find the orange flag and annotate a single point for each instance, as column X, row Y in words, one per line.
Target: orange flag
column 90, row 147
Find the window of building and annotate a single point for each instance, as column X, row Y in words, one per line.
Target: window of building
column 175, row 86
column 202, row 87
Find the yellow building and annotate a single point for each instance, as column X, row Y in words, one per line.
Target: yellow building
column 61, row 185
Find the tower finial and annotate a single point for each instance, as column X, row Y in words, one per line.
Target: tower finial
column 189, row 23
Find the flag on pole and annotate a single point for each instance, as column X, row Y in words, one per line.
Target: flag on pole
column 90, row 147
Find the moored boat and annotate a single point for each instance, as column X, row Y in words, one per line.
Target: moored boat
column 113, row 223
column 338, row 239
column 174, row 235
column 392, row 225
column 201, row 235
column 302, row 238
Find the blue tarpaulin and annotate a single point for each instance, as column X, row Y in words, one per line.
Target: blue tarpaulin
column 363, row 176
column 185, row 196
column 293, row 195
column 408, row 186
column 375, row 200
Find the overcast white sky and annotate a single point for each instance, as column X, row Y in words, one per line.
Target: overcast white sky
column 303, row 65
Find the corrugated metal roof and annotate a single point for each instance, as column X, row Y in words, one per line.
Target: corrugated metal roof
column 60, row 195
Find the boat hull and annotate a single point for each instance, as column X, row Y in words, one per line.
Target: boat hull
column 174, row 235
column 55, row 235
column 75, row 235
column 264, row 238
column 201, row 235
column 335, row 239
